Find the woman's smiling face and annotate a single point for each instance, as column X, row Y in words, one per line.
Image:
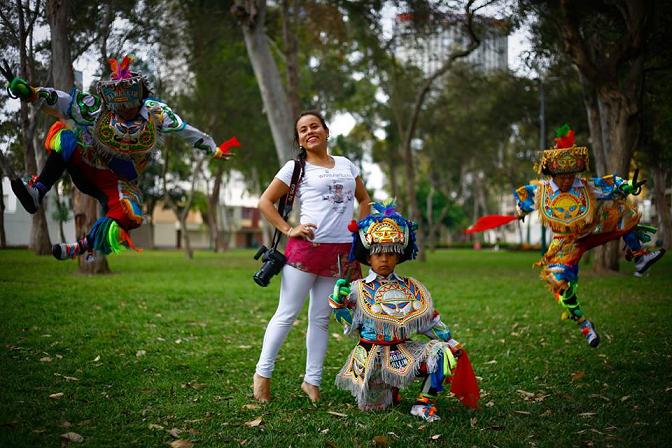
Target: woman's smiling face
column 312, row 135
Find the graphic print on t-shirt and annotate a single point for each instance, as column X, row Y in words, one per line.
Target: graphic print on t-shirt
column 338, row 196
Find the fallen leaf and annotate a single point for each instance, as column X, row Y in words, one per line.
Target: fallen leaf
column 546, row 413
column 525, row 393
column 578, row 375
column 472, row 421
column 193, row 385
column 381, row 441
column 155, row 426
column 45, row 359
column 522, row 412
column 254, row 423
column 436, row 437
column 175, row 433
column 70, row 378
column 625, row 398
column 96, row 359
column 140, row 353
column 180, row 443
column 244, row 347
column 489, row 404
column 324, row 431
column 337, row 414
column 393, row 434
column 494, row 361
column 56, row 396
column 72, row 437
column 587, row 414
column 251, row 406
column 66, row 424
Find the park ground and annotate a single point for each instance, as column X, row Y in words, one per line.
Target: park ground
column 163, row 350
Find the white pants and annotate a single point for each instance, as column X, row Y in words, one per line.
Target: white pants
column 294, row 288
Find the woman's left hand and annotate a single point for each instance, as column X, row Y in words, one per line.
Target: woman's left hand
column 306, row 231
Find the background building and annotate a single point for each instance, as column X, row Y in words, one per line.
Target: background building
column 429, row 49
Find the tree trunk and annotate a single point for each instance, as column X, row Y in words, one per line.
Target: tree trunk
column 613, row 83
column 252, row 15
column 39, row 237
column 188, row 251
column 213, row 211
column 3, row 238
column 61, row 231
column 289, row 14
column 660, row 175
column 85, row 207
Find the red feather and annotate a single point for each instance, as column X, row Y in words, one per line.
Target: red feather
column 490, row 222
column 125, row 63
column 463, row 382
column 114, row 65
column 225, row 147
column 566, row 141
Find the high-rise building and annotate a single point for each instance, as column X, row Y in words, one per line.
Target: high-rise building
column 429, row 49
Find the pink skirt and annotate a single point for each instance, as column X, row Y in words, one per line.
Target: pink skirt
column 321, row 258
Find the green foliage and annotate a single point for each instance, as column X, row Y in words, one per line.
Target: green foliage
column 173, row 343
column 454, row 217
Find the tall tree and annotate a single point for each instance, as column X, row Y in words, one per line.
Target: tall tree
column 252, row 17
column 85, row 207
column 606, row 42
column 20, row 20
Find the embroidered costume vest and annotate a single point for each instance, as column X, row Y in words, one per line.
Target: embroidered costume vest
column 396, row 309
column 126, row 139
column 571, row 212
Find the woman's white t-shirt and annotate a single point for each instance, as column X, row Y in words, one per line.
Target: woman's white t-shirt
column 326, row 197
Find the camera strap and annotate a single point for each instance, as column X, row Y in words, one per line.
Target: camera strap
column 287, row 201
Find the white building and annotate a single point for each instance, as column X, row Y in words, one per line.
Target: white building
column 18, row 222
column 428, row 50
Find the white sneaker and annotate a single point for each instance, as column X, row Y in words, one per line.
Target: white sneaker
column 644, row 262
column 426, row 412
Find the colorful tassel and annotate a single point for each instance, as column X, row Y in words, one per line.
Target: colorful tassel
column 109, row 238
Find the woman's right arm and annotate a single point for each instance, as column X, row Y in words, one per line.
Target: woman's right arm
column 273, row 193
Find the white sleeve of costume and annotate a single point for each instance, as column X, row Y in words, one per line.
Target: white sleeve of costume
column 56, row 102
column 169, row 122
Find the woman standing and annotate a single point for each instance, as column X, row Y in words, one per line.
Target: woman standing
column 326, row 194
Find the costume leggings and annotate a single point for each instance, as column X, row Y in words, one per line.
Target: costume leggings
column 294, row 288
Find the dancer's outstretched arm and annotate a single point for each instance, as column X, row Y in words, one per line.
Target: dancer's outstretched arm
column 171, row 123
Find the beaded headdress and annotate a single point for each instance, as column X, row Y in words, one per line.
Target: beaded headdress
column 565, row 157
column 384, row 230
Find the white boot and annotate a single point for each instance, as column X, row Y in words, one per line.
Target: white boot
column 644, row 262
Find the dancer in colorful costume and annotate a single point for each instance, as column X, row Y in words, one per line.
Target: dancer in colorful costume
column 104, row 141
column 385, row 310
column 582, row 213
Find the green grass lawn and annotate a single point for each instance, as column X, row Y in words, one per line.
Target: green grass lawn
column 165, row 343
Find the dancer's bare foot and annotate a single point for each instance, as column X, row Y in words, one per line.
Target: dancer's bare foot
column 262, row 388
column 312, row 391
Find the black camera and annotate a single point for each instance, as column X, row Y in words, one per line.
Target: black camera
column 273, row 261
